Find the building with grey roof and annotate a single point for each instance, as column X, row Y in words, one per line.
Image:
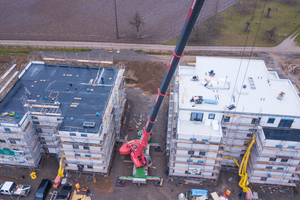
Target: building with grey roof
column 72, row 112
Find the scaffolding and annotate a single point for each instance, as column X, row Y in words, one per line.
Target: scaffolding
column 207, row 167
column 8, row 78
column 275, row 173
column 106, row 136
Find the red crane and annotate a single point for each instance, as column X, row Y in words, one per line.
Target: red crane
column 136, row 147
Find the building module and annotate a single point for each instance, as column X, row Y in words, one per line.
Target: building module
column 215, row 109
column 72, row 112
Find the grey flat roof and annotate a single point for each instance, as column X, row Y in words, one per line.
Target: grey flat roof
column 282, row 134
column 54, row 80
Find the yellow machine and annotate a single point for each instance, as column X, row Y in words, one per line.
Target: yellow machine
column 244, row 182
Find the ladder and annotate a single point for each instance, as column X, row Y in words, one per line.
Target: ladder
column 54, row 195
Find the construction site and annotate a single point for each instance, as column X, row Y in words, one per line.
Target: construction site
column 70, row 111
column 223, row 125
column 215, row 113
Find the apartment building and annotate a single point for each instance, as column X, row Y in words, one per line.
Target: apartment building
column 72, row 112
column 215, row 109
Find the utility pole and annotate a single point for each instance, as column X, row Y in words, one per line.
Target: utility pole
column 116, row 19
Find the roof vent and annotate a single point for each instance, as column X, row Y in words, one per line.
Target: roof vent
column 280, row 96
column 251, row 82
column 88, row 124
column 232, row 106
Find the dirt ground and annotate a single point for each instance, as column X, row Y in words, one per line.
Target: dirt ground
column 144, row 71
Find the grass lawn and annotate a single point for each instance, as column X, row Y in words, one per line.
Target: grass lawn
column 285, row 17
column 14, row 50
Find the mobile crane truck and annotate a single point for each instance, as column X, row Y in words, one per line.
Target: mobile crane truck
column 136, row 148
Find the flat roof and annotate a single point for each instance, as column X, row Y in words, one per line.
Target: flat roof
column 54, row 81
column 282, row 134
column 245, row 83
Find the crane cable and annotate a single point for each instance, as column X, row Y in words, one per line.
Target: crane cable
column 244, row 182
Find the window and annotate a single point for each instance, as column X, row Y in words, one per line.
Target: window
column 269, row 167
column 202, row 153
column 211, row 116
column 263, row 179
column 249, row 135
column 291, row 147
column 90, row 167
column 83, row 135
column 278, row 146
column 5, row 148
column 87, row 155
column 196, row 117
column 86, row 148
column 284, row 160
column 189, row 160
column 2, row 141
column 205, row 140
column 200, row 161
column 285, row 123
column 35, row 122
column 255, row 121
column 42, row 138
column 34, row 117
column 271, row 120
column 72, row 134
column 77, row 154
column 43, row 143
column 186, row 172
column 280, row 168
column 75, row 147
column 226, row 118
column 12, row 141
column 272, row 159
column 193, row 139
column 15, row 149
column 7, row 130
column 191, row 152
column 39, row 130
column 242, row 155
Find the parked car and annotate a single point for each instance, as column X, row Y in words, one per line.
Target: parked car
column 64, row 193
column 42, row 190
column 11, row 188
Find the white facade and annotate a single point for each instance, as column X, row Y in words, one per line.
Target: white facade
column 238, row 97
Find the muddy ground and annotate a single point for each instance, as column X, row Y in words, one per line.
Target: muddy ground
column 92, row 20
column 146, row 72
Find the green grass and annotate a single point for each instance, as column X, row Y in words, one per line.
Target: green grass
column 286, row 19
column 13, row 50
column 297, row 40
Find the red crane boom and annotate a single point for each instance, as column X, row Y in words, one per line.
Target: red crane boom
column 136, row 147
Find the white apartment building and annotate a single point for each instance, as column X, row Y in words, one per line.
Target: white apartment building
column 232, row 100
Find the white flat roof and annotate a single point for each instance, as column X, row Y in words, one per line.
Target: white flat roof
column 231, row 85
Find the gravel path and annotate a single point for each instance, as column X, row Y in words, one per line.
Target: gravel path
column 287, row 46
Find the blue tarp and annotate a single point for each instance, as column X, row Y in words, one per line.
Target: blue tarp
column 198, row 193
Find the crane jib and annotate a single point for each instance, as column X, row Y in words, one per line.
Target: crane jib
column 137, row 155
column 191, row 10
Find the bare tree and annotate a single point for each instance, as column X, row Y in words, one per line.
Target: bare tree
column 271, row 35
column 136, row 22
column 247, row 26
column 208, row 30
column 268, row 14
